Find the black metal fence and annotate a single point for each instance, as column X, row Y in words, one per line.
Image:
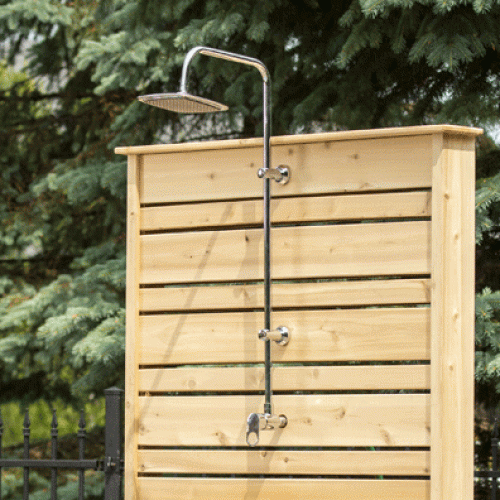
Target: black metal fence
column 488, row 479
column 111, row 465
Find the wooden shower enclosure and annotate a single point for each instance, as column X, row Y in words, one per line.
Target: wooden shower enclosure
column 373, row 274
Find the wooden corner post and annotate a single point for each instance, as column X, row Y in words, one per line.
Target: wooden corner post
column 132, row 325
column 452, row 317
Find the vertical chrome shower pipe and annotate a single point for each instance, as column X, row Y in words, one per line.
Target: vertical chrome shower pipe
column 268, row 408
column 267, row 420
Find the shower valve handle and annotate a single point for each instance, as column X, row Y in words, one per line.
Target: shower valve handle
column 262, row 421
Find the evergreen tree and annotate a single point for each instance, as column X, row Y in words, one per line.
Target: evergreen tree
column 334, row 65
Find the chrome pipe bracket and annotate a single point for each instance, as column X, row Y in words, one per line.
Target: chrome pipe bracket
column 281, row 335
column 280, row 174
column 262, row 421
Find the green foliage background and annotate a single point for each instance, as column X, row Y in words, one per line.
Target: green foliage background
column 334, row 65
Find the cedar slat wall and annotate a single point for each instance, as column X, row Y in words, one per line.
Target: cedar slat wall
column 372, row 254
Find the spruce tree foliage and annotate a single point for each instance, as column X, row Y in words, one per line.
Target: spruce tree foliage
column 62, row 210
column 334, row 65
column 488, row 279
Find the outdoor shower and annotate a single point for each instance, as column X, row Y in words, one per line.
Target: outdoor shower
column 183, row 102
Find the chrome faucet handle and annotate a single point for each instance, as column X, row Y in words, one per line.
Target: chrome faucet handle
column 262, row 421
column 253, row 428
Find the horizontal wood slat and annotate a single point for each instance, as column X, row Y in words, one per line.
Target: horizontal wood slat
column 292, row 378
column 313, row 420
column 287, row 210
column 339, row 135
column 278, row 489
column 323, row 335
column 298, row 252
column 290, row 462
column 285, row 295
column 319, row 167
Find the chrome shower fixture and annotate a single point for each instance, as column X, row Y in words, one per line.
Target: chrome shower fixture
column 262, row 421
column 183, row 102
column 280, row 174
column 281, row 335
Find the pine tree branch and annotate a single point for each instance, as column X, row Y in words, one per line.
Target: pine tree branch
column 33, row 124
column 40, row 267
column 31, row 387
column 123, row 96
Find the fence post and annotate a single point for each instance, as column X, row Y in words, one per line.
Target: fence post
column 494, row 458
column 26, row 455
column 113, row 444
column 1, row 434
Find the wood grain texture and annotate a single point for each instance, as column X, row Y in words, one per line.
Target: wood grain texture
column 291, row 378
column 316, row 168
column 323, row 335
column 452, row 351
column 286, row 295
column 341, row 135
column 289, row 462
column 132, row 324
column 287, row 210
column 313, row 420
column 298, row 252
column 279, row 489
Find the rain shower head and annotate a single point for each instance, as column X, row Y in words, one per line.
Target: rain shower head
column 182, row 102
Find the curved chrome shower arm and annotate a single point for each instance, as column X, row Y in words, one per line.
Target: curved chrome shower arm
column 221, row 54
column 250, row 61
